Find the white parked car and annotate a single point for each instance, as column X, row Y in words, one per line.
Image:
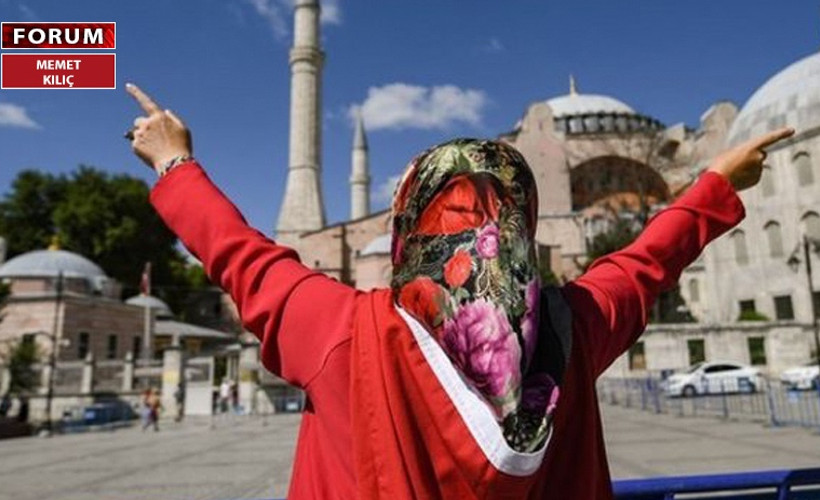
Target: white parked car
column 714, row 378
column 802, row 377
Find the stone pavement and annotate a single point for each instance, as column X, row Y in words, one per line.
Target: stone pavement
column 240, row 459
column 643, row 444
column 250, row 458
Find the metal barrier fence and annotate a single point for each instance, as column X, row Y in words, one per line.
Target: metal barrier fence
column 771, row 403
column 799, row 484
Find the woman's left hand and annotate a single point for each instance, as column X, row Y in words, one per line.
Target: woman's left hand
column 743, row 164
column 160, row 136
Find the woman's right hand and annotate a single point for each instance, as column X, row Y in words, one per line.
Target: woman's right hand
column 160, row 136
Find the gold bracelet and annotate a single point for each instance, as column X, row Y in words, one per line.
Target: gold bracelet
column 173, row 162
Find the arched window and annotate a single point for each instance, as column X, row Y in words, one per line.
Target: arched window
column 767, row 182
column 739, row 242
column 773, row 234
column 811, row 225
column 694, row 290
column 802, row 163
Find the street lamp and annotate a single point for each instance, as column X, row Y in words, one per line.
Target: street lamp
column 794, row 264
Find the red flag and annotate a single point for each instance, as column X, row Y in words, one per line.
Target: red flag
column 145, row 281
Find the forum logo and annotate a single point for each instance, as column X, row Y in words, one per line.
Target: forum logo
column 59, row 70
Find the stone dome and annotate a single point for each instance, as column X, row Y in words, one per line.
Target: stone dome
column 581, row 104
column 577, row 113
column 158, row 306
column 49, row 263
column 791, row 97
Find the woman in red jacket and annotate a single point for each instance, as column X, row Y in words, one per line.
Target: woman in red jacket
column 467, row 378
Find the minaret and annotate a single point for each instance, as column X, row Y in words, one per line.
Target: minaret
column 302, row 208
column 360, row 173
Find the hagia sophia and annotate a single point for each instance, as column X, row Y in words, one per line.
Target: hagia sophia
column 597, row 159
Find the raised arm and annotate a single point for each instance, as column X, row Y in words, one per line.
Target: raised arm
column 612, row 300
column 299, row 315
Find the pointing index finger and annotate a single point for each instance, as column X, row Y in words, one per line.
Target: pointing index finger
column 148, row 105
column 772, row 137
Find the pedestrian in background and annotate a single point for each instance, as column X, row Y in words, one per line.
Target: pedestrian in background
column 224, row 395
column 235, row 397
column 150, row 409
column 154, row 407
column 179, row 399
column 145, row 409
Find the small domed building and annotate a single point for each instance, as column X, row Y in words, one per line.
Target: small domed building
column 57, row 292
column 87, row 318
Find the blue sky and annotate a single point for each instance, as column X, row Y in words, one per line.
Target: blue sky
column 427, row 70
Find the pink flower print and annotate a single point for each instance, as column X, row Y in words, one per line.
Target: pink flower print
column 553, row 400
column 481, row 343
column 487, row 243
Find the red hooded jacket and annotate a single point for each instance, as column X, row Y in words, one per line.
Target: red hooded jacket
column 379, row 422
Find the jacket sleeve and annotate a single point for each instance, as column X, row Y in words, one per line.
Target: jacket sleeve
column 612, row 300
column 298, row 314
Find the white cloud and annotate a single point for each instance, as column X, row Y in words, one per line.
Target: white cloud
column 331, row 13
column 401, row 105
column 27, row 12
column 12, row 115
column 384, row 191
column 274, row 13
column 494, row 46
column 279, row 13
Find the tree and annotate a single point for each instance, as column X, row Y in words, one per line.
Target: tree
column 620, row 234
column 106, row 218
column 26, row 212
column 670, row 306
column 20, row 360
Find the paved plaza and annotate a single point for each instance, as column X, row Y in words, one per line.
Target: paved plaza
column 250, row 458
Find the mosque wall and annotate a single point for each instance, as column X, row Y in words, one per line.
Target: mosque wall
column 667, row 347
column 565, row 236
column 21, row 318
column 101, row 320
column 373, row 271
column 750, row 263
column 98, row 318
column 712, row 135
column 334, row 249
column 544, row 153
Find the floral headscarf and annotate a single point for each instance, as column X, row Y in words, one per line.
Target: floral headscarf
column 465, row 266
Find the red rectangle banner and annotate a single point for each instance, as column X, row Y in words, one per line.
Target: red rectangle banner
column 59, row 71
column 59, row 35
